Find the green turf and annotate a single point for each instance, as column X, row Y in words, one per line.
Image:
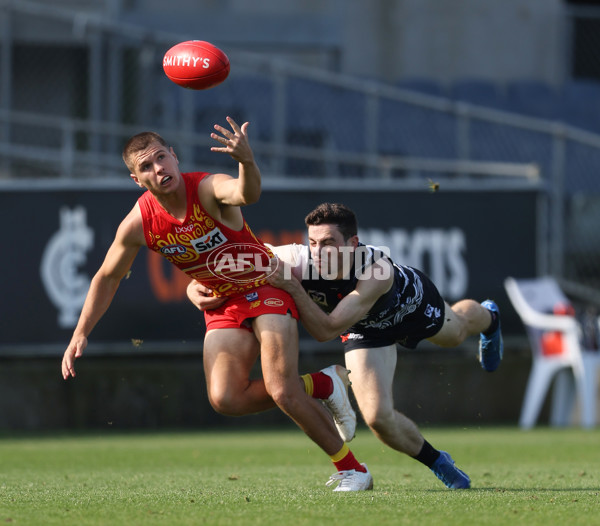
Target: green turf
column 540, row 477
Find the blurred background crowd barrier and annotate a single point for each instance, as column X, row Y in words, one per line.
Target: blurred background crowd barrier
column 470, row 171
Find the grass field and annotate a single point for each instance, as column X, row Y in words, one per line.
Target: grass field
column 539, row 477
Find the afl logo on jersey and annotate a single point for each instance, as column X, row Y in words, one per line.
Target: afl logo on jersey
column 240, row 262
column 173, row 250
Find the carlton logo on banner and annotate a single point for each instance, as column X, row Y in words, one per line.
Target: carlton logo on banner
column 65, row 252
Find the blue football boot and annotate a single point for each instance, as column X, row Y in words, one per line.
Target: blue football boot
column 449, row 474
column 491, row 348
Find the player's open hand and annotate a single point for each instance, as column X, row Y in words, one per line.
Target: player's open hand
column 234, row 141
column 74, row 351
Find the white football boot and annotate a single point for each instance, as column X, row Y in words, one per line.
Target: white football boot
column 352, row 480
column 338, row 402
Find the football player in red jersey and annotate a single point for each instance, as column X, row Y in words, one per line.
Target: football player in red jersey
column 200, row 214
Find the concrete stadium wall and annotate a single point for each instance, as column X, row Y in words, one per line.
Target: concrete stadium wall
column 168, row 391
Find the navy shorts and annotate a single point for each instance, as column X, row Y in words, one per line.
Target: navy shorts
column 426, row 321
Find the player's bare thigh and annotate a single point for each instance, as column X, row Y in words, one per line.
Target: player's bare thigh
column 372, row 377
column 278, row 337
column 229, row 355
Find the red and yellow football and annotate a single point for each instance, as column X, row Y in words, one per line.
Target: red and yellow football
column 196, row 64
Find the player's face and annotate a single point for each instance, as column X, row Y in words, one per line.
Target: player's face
column 330, row 251
column 157, row 169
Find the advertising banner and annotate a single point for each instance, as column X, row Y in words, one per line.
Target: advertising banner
column 467, row 242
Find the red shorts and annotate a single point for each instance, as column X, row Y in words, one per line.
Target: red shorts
column 237, row 312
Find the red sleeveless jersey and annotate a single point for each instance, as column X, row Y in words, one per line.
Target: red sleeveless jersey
column 228, row 261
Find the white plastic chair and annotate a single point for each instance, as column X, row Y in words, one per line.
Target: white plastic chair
column 575, row 368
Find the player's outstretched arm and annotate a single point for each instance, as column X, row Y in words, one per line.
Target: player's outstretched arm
column 103, row 287
column 246, row 188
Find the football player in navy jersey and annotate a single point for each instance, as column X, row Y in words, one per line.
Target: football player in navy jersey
column 344, row 288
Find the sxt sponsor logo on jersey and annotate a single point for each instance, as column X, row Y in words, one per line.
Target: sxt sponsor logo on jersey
column 273, row 302
column 215, row 238
column 173, row 250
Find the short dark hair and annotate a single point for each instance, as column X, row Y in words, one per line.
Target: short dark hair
column 138, row 142
column 334, row 214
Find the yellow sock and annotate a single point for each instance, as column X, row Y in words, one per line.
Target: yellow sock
column 340, row 454
column 344, row 460
column 308, row 384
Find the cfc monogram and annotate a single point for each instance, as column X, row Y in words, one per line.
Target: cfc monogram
column 432, row 312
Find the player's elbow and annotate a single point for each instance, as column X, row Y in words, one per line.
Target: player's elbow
column 250, row 197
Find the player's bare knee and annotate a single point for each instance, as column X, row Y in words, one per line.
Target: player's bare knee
column 220, row 406
column 450, row 335
column 379, row 419
column 224, row 404
column 456, row 339
column 284, row 396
